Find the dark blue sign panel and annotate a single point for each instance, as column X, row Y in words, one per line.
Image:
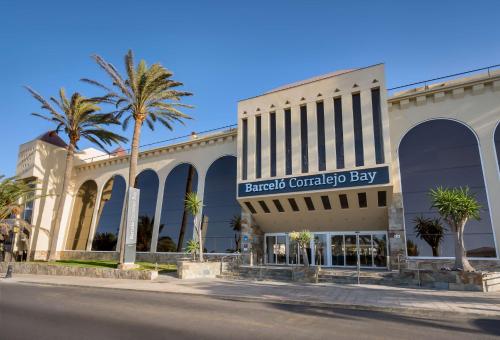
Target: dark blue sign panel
column 325, row 181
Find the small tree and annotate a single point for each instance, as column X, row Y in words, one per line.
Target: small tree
column 192, row 247
column 236, row 225
column 303, row 239
column 193, row 205
column 457, row 206
column 431, row 231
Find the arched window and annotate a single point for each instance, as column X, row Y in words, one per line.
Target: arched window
column 497, row 143
column 147, row 182
column 109, row 214
column 81, row 218
column 176, row 225
column 442, row 153
column 220, row 206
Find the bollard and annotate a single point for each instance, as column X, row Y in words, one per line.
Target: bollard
column 9, row 272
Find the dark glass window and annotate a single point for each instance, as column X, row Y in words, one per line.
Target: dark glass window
column 278, row 205
column 288, row 141
column 382, row 198
column 81, row 219
column 377, row 127
column 443, row 153
column 339, row 132
column 303, row 138
column 326, row 202
column 272, row 144
column 258, row 147
column 220, row 206
column 293, row 204
column 148, row 182
column 309, row 203
column 320, row 118
column 109, row 214
column 176, row 224
column 264, row 207
column 250, row 207
column 358, row 129
column 362, row 200
column 497, row 143
column 244, row 158
column 344, row 204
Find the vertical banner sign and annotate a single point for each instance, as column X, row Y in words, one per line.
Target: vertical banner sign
column 132, row 218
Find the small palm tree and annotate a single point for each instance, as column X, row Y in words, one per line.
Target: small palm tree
column 456, row 206
column 236, row 226
column 192, row 247
column 78, row 117
column 146, row 95
column 431, row 231
column 193, row 205
column 303, row 239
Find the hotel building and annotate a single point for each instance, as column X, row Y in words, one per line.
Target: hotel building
column 335, row 155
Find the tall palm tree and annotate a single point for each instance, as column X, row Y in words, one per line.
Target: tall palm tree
column 145, row 95
column 456, row 206
column 194, row 205
column 78, row 117
column 431, row 231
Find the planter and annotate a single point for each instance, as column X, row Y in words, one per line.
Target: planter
column 198, row 270
column 60, row 270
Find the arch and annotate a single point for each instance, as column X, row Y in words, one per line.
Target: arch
column 147, row 182
column 496, row 143
column 176, row 225
column 442, row 152
column 109, row 214
column 220, row 206
column 81, row 217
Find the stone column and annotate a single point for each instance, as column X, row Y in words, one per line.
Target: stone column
column 253, row 237
column 397, row 243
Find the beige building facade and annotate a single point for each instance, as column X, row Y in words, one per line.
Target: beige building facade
column 335, row 155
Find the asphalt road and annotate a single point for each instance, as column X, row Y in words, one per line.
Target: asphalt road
column 47, row 312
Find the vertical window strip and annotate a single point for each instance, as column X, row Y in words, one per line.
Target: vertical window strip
column 244, row 158
column 288, row 141
column 320, row 118
column 339, row 132
column 377, row 127
column 258, row 145
column 272, row 144
column 358, row 130
column 303, row 139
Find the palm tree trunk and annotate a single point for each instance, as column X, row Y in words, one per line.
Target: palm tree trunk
column 435, row 251
column 200, row 241
column 54, row 235
column 461, row 261
column 305, row 258
column 134, row 156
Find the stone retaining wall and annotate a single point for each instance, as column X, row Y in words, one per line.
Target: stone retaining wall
column 452, row 280
column 198, row 270
column 51, row 269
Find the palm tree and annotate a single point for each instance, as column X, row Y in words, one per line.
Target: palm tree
column 193, row 204
column 146, row 95
column 456, row 206
column 303, row 239
column 431, row 231
column 236, row 226
column 78, row 117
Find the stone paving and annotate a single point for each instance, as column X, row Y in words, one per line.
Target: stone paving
column 372, row 297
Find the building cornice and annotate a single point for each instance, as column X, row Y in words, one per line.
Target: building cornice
column 172, row 148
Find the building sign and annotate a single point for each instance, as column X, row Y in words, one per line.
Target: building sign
column 131, row 225
column 324, row 181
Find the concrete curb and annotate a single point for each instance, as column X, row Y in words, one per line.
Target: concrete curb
column 416, row 312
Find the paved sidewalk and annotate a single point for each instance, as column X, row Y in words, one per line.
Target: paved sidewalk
column 370, row 297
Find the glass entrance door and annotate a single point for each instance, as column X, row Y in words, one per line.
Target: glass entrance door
column 276, row 249
column 371, row 247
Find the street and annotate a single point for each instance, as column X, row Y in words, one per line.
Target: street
column 48, row 312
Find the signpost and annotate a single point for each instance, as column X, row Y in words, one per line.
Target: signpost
column 131, row 225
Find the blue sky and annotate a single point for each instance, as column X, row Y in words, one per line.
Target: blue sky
column 228, row 50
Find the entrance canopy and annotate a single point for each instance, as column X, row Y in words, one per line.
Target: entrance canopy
column 341, row 210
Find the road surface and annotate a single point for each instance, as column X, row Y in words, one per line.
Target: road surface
column 49, row 312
